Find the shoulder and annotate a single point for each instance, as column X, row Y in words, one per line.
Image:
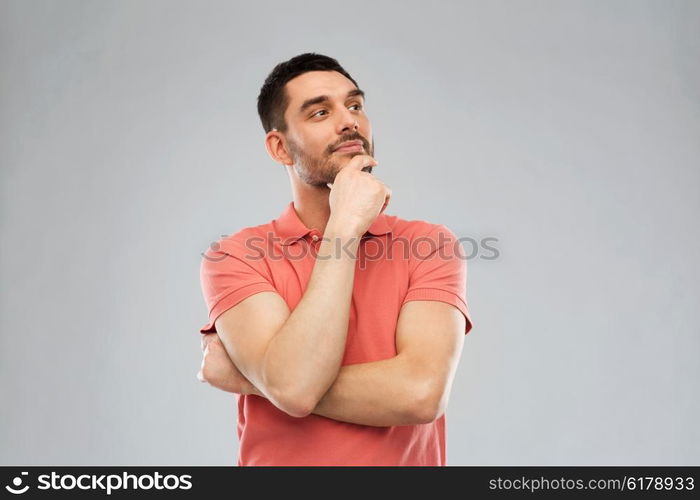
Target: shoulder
column 426, row 240
column 413, row 229
column 244, row 242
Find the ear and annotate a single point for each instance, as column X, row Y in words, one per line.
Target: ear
column 276, row 148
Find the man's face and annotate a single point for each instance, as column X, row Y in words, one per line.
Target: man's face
column 314, row 132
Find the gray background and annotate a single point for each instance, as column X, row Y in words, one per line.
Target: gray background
column 570, row 131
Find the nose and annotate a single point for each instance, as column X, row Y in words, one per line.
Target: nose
column 349, row 122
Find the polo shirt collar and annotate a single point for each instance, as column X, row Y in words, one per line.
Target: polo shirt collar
column 290, row 228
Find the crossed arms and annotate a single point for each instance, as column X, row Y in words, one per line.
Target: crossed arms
column 294, row 358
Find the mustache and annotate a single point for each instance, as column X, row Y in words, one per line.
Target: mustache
column 355, row 137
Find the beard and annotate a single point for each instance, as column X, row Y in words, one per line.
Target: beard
column 319, row 171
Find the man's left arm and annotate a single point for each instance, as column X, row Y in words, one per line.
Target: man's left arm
column 412, row 387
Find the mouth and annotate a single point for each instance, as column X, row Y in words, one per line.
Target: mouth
column 350, row 148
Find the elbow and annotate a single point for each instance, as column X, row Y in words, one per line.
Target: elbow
column 292, row 402
column 429, row 405
column 298, row 409
column 289, row 397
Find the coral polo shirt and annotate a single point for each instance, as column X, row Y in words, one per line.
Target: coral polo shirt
column 398, row 261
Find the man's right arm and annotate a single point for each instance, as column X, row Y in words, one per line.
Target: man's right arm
column 293, row 358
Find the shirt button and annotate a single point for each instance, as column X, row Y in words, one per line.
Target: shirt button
column 314, row 237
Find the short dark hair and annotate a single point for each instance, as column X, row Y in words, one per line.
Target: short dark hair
column 273, row 99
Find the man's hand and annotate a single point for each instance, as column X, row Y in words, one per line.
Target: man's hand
column 357, row 197
column 219, row 371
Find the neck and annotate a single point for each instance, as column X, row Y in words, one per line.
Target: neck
column 311, row 203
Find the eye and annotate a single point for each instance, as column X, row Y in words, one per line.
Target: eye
column 359, row 106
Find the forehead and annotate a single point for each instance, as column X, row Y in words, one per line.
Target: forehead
column 315, row 83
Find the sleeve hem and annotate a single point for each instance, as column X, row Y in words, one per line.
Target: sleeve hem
column 442, row 296
column 233, row 298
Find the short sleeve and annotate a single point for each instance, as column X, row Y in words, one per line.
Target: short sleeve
column 438, row 271
column 229, row 273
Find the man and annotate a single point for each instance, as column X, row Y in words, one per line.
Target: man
column 340, row 343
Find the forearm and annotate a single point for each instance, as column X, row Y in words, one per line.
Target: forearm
column 380, row 393
column 303, row 358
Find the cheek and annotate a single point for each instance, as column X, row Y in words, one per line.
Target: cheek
column 311, row 144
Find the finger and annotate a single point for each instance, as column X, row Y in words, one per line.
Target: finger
column 386, row 204
column 387, row 198
column 207, row 338
column 359, row 162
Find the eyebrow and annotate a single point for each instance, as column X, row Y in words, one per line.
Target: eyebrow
column 323, row 98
